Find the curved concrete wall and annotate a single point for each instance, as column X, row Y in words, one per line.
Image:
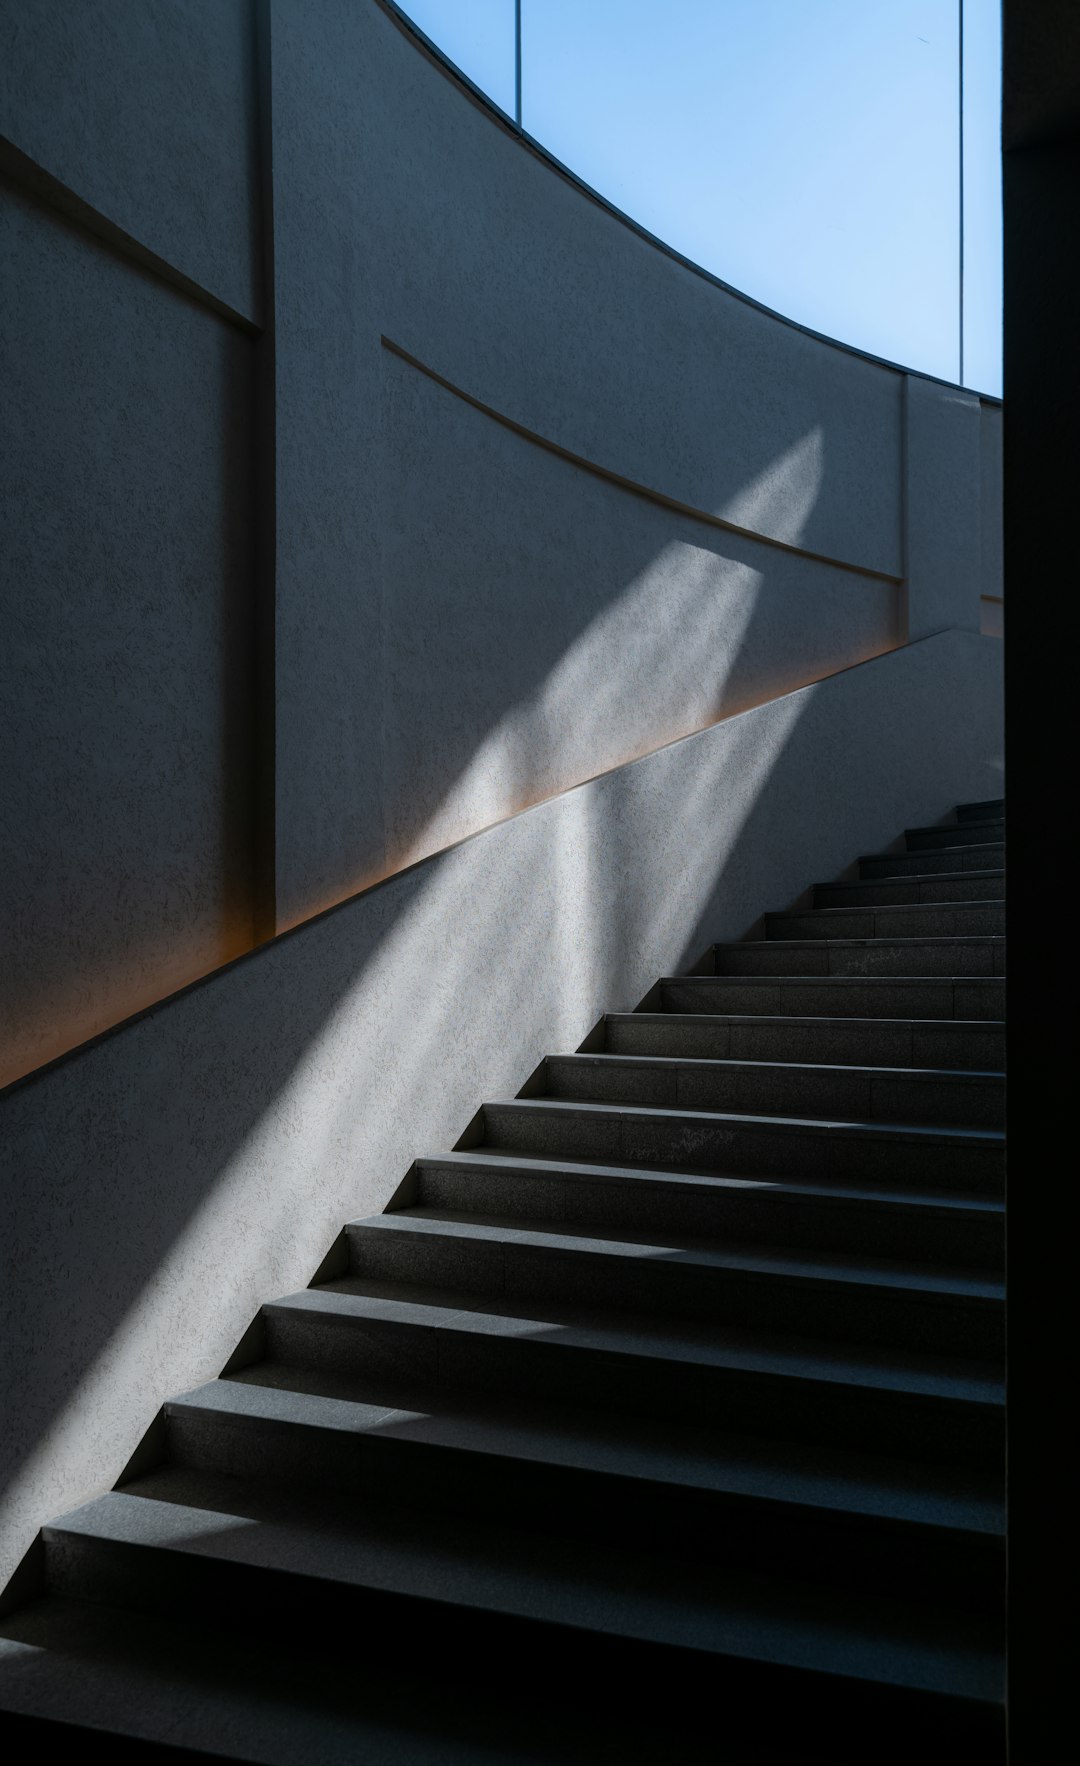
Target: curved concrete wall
column 428, row 615
column 369, row 484
column 473, row 256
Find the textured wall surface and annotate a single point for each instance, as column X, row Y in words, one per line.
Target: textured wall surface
column 451, row 621
column 146, row 110
column 125, row 794
column 171, row 1177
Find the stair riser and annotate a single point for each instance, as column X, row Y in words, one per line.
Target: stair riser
column 769, row 1537
column 975, row 999
column 580, row 1667
column 748, row 1149
column 823, row 957
column 990, row 809
column 941, row 1043
column 748, row 1216
column 971, row 886
column 539, row 1367
column 931, row 920
column 852, row 1093
column 524, row 1273
column 925, row 862
column 970, row 833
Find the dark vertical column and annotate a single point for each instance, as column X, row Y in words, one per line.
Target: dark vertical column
column 264, row 446
column 1041, row 140
column 960, row 192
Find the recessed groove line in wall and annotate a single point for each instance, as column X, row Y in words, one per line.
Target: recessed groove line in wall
column 33, row 180
column 632, row 485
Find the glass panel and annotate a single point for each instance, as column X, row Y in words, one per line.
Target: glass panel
column 477, row 36
column 806, row 153
column 982, row 195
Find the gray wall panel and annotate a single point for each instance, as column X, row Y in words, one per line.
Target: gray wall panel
column 124, row 525
column 146, row 110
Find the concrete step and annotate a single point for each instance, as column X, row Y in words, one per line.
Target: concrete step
column 871, row 1219
column 990, row 809
column 921, row 920
column 953, row 834
column 946, row 886
column 876, row 1525
column 96, row 1682
column 471, row 1594
column 974, row 997
column 897, row 1042
column 829, row 1295
column 819, row 953
column 861, row 1093
column 927, row 861
column 902, row 1403
column 962, row 1160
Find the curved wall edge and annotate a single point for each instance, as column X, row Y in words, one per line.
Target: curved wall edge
column 504, row 120
column 200, row 1161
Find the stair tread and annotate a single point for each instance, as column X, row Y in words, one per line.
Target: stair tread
column 696, row 1253
column 994, row 822
column 772, row 944
column 642, row 1170
column 935, row 877
column 874, row 1131
column 570, row 1584
column 753, row 1020
column 961, row 846
column 909, row 907
column 839, row 980
column 682, row 1453
column 734, row 1348
column 706, row 1063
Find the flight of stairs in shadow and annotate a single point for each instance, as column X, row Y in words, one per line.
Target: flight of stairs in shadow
column 664, row 1423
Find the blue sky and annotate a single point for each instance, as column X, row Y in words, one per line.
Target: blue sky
column 805, row 151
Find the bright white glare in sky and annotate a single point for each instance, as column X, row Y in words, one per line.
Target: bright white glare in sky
column 804, row 151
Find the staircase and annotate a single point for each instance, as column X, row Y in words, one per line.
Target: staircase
column 662, row 1422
